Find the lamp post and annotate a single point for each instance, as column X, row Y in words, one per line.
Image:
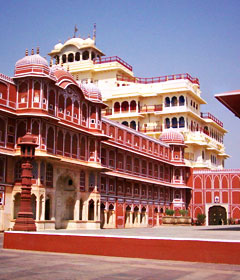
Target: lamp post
column 25, row 221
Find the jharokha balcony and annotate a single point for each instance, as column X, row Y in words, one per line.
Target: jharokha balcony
column 101, row 60
column 151, row 108
column 159, row 79
column 210, row 116
column 125, row 108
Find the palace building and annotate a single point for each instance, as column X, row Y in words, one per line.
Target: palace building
column 88, row 171
column 149, row 105
column 112, row 150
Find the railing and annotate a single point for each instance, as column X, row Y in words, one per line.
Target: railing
column 210, row 116
column 160, row 79
column 151, row 129
column 6, row 78
column 151, row 108
column 112, row 59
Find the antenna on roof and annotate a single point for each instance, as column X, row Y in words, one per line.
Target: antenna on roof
column 94, row 32
column 75, row 31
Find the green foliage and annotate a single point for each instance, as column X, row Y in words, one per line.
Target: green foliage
column 183, row 212
column 169, row 212
column 201, row 219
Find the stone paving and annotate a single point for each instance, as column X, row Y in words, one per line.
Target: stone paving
column 16, row 264
column 195, row 232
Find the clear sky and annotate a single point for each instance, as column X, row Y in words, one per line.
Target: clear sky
column 199, row 37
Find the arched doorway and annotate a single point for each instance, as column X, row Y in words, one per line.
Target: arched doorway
column 65, row 201
column 217, row 215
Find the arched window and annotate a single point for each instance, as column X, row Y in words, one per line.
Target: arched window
column 133, row 125
column 85, row 55
column 136, row 165
column 70, row 57
column 125, row 123
column 76, row 110
column 22, row 94
column 112, row 159
column 36, row 97
column 177, row 174
column 51, row 103
column 181, row 100
column 83, row 148
column 129, row 163
column 93, row 55
column 93, row 113
column 35, row 128
column 133, row 105
column 167, row 123
column 2, row 169
column 69, row 107
column 103, row 156
column 48, row 208
column 174, row 101
column 174, row 123
column 167, row 102
column 18, row 170
column 92, row 149
column 91, row 181
column 74, row 146
column 61, row 103
column 181, row 122
column 125, row 106
column 120, row 161
column 60, row 143
column 3, row 129
column 82, row 180
column 42, row 172
column 91, row 210
column 21, row 129
column 84, row 112
column 49, row 175
column 77, row 56
column 116, row 107
column 50, row 140
column 67, row 144
column 64, row 58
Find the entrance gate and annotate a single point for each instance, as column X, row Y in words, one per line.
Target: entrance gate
column 217, row 215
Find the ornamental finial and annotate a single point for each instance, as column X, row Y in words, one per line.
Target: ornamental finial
column 32, row 52
column 26, row 52
column 94, row 32
column 38, row 50
column 75, row 31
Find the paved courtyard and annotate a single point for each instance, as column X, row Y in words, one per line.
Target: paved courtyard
column 16, row 264
column 186, row 232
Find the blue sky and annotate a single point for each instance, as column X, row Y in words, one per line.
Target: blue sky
column 157, row 38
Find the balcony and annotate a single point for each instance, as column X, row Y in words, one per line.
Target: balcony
column 151, row 108
column 159, row 79
column 211, row 117
column 112, row 59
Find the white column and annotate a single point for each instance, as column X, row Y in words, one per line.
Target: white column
column 37, row 207
column 77, row 207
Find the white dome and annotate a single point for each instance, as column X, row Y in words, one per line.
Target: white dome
column 74, row 41
column 58, row 46
column 88, row 41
